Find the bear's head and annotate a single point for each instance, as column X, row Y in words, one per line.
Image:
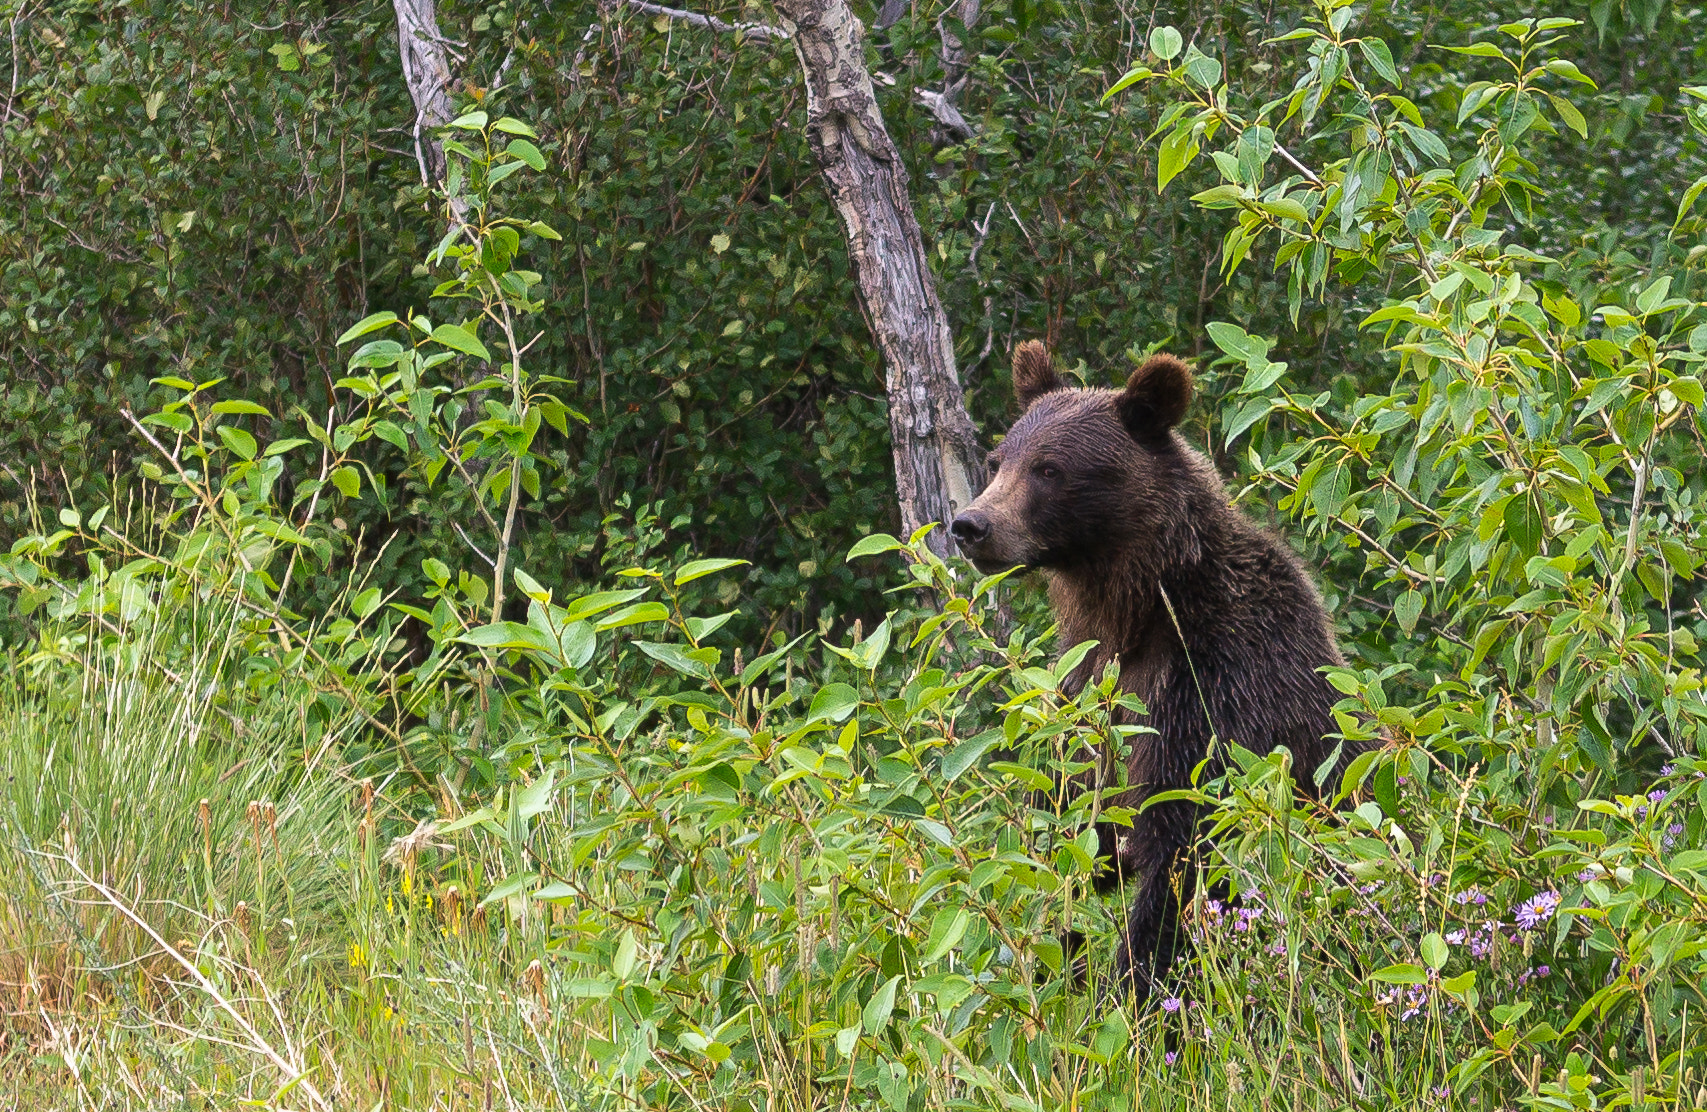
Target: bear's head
column 1084, row 472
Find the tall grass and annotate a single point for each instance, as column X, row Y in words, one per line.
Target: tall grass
column 201, row 906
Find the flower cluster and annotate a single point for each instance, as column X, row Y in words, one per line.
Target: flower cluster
column 1412, row 999
column 1480, row 939
column 1656, row 797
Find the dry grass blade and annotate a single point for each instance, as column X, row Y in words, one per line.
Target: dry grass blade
column 294, row 1074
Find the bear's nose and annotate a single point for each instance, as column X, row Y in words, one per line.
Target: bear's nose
column 970, row 529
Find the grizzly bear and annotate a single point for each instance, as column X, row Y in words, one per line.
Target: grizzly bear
column 1211, row 620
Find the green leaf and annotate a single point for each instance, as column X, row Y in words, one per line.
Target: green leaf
column 508, row 635
column 365, row 603
column 1689, row 198
column 870, row 651
column 1375, row 52
column 461, row 339
column 535, row 799
column 1688, row 391
column 527, row 152
column 626, row 952
column 472, row 121
column 1030, row 777
column 872, row 545
column 1166, row 43
column 1564, row 67
column 529, row 586
column 348, row 480
column 1235, row 422
column 1434, row 950
column 632, row 615
column 835, row 701
column 1568, row 112
column 1176, row 154
column 389, row 432
column 370, row 323
column 699, row 569
column 513, row 885
column 1523, row 524
column 238, row 441
column 1234, row 340
column 231, row 407
column 966, row 754
column 1478, row 50
column 1132, row 77
column 947, row 929
column 1407, row 607
column 1260, row 378
column 597, row 603
column 881, row 1005
column 674, row 657
column 1202, row 69
column 1651, row 298
column 509, row 125
column 1402, row 974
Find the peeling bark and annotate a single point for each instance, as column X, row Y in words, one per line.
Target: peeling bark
column 938, row 461
column 426, row 70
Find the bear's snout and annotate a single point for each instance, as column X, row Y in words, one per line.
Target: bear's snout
column 970, row 530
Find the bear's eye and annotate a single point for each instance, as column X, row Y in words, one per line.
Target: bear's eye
column 1049, row 471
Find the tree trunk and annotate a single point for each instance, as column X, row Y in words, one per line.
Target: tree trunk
column 938, row 462
column 427, row 73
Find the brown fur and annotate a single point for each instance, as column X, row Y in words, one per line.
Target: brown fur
column 1096, row 488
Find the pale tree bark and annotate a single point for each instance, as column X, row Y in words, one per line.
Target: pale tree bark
column 426, row 70
column 938, row 462
column 952, row 126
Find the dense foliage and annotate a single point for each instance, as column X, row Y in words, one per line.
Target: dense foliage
column 216, row 192
column 668, row 825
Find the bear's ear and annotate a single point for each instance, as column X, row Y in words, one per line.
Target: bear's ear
column 1155, row 398
column 1034, row 374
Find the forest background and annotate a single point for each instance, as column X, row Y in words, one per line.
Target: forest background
column 414, row 846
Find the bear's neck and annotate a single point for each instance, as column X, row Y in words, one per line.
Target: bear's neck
column 1122, row 600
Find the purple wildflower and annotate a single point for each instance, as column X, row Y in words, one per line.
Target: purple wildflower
column 1247, row 916
column 1671, row 835
column 1171, row 1057
column 1536, row 910
column 1667, row 769
column 1278, row 947
column 1593, row 872
column 1172, row 1004
column 1533, row 973
column 1456, row 937
column 1470, row 895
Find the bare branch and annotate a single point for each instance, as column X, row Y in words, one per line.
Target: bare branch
column 942, row 109
column 760, row 32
